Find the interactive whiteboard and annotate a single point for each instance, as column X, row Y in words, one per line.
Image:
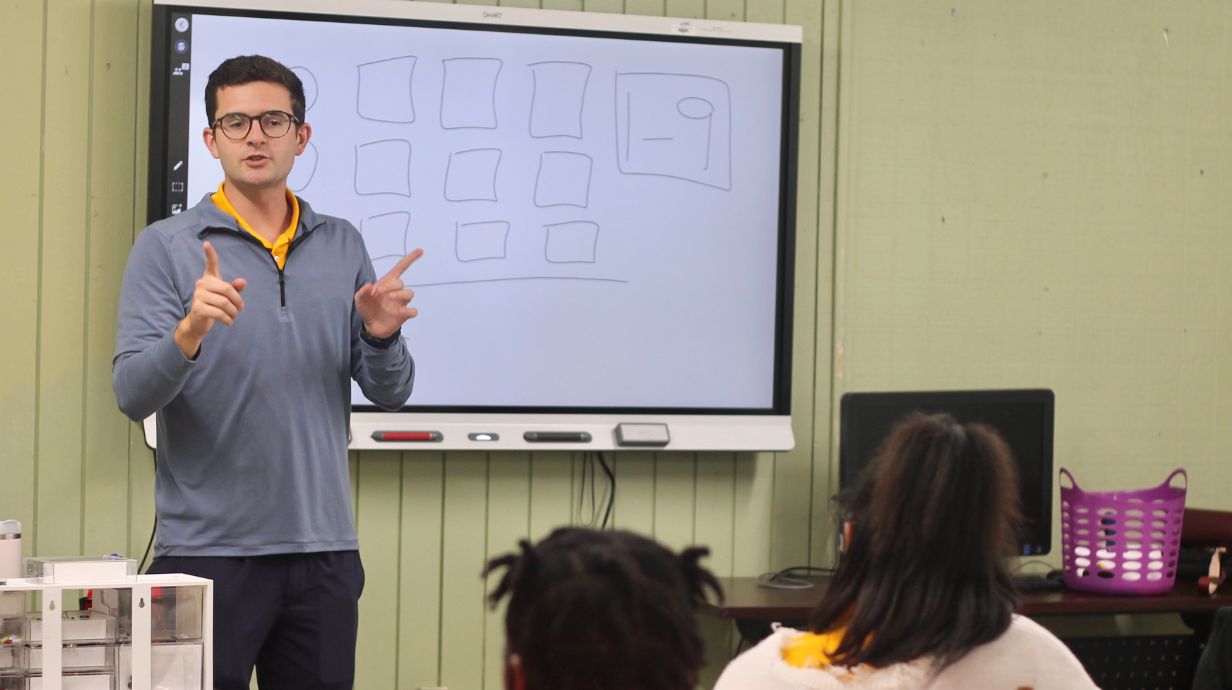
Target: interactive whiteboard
column 606, row 203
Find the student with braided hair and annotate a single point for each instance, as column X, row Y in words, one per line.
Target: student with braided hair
column 922, row 599
column 591, row 610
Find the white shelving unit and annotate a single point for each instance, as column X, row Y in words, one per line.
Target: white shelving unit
column 141, row 586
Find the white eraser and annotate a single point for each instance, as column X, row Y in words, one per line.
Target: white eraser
column 653, row 435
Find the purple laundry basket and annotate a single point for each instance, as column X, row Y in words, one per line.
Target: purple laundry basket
column 1121, row 542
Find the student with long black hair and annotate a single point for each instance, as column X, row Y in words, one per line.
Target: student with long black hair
column 923, row 596
column 591, row 610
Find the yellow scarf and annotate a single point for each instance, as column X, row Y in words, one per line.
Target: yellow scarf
column 812, row 650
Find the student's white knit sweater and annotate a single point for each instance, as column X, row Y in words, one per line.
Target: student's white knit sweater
column 1026, row 657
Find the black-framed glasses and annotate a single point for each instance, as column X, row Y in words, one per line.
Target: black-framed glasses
column 275, row 123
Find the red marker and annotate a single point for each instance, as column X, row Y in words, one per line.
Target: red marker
column 429, row 436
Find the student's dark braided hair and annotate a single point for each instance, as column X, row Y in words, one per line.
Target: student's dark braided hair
column 610, row 610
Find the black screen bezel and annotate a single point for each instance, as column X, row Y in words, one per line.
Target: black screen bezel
column 164, row 102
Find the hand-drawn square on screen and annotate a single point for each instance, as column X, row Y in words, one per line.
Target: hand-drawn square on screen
column 385, row 234
column 468, row 96
column 471, row 175
column 483, row 240
column 383, row 167
column 573, row 242
column 557, row 99
column 384, row 90
column 674, row 125
column 563, row 179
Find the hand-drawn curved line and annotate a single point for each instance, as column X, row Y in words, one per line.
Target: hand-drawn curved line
column 590, row 166
column 547, row 242
column 534, row 90
column 500, row 64
column 416, row 286
column 708, row 117
column 408, row 167
column 628, row 123
column 410, row 98
column 312, row 160
column 495, row 169
column 692, row 101
column 405, row 230
column 621, row 160
column 457, row 241
column 309, row 81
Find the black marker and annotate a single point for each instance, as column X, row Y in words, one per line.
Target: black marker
column 556, row 436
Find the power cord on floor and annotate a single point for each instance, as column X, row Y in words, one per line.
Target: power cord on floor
column 794, row 577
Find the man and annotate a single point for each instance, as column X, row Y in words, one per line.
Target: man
column 252, row 488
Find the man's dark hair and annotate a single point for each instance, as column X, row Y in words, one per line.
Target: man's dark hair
column 927, row 570
column 611, row 610
column 247, row 69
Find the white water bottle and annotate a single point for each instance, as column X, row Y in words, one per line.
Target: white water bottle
column 10, row 549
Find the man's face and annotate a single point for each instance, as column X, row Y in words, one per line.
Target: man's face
column 258, row 161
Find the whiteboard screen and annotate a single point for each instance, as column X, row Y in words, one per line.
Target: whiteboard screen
column 606, row 215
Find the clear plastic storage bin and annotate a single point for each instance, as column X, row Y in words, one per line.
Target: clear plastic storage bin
column 76, row 627
column 72, row 659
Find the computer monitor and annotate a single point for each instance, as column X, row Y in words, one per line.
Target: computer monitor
column 1023, row 417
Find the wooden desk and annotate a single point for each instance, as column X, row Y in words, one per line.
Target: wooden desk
column 753, row 608
column 747, row 601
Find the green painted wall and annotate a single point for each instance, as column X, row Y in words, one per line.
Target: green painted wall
column 991, row 194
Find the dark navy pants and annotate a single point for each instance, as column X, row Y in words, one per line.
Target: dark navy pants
column 292, row 616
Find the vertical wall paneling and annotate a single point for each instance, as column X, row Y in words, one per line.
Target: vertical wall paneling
column 572, row 5
column 713, row 511
column 609, row 6
column 765, row 11
column 551, row 492
column 825, row 59
column 21, row 44
column 463, row 553
column 420, row 610
column 751, row 521
column 380, row 494
column 673, row 500
column 688, row 9
column 1073, row 151
column 841, row 40
column 726, row 10
column 793, row 482
column 114, row 103
column 508, row 509
column 756, row 532
column 651, row 8
column 713, row 521
column 635, row 483
column 814, row 251
column 718, row 638
column 140, row 465
column 590, row 486
column 62, row 286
